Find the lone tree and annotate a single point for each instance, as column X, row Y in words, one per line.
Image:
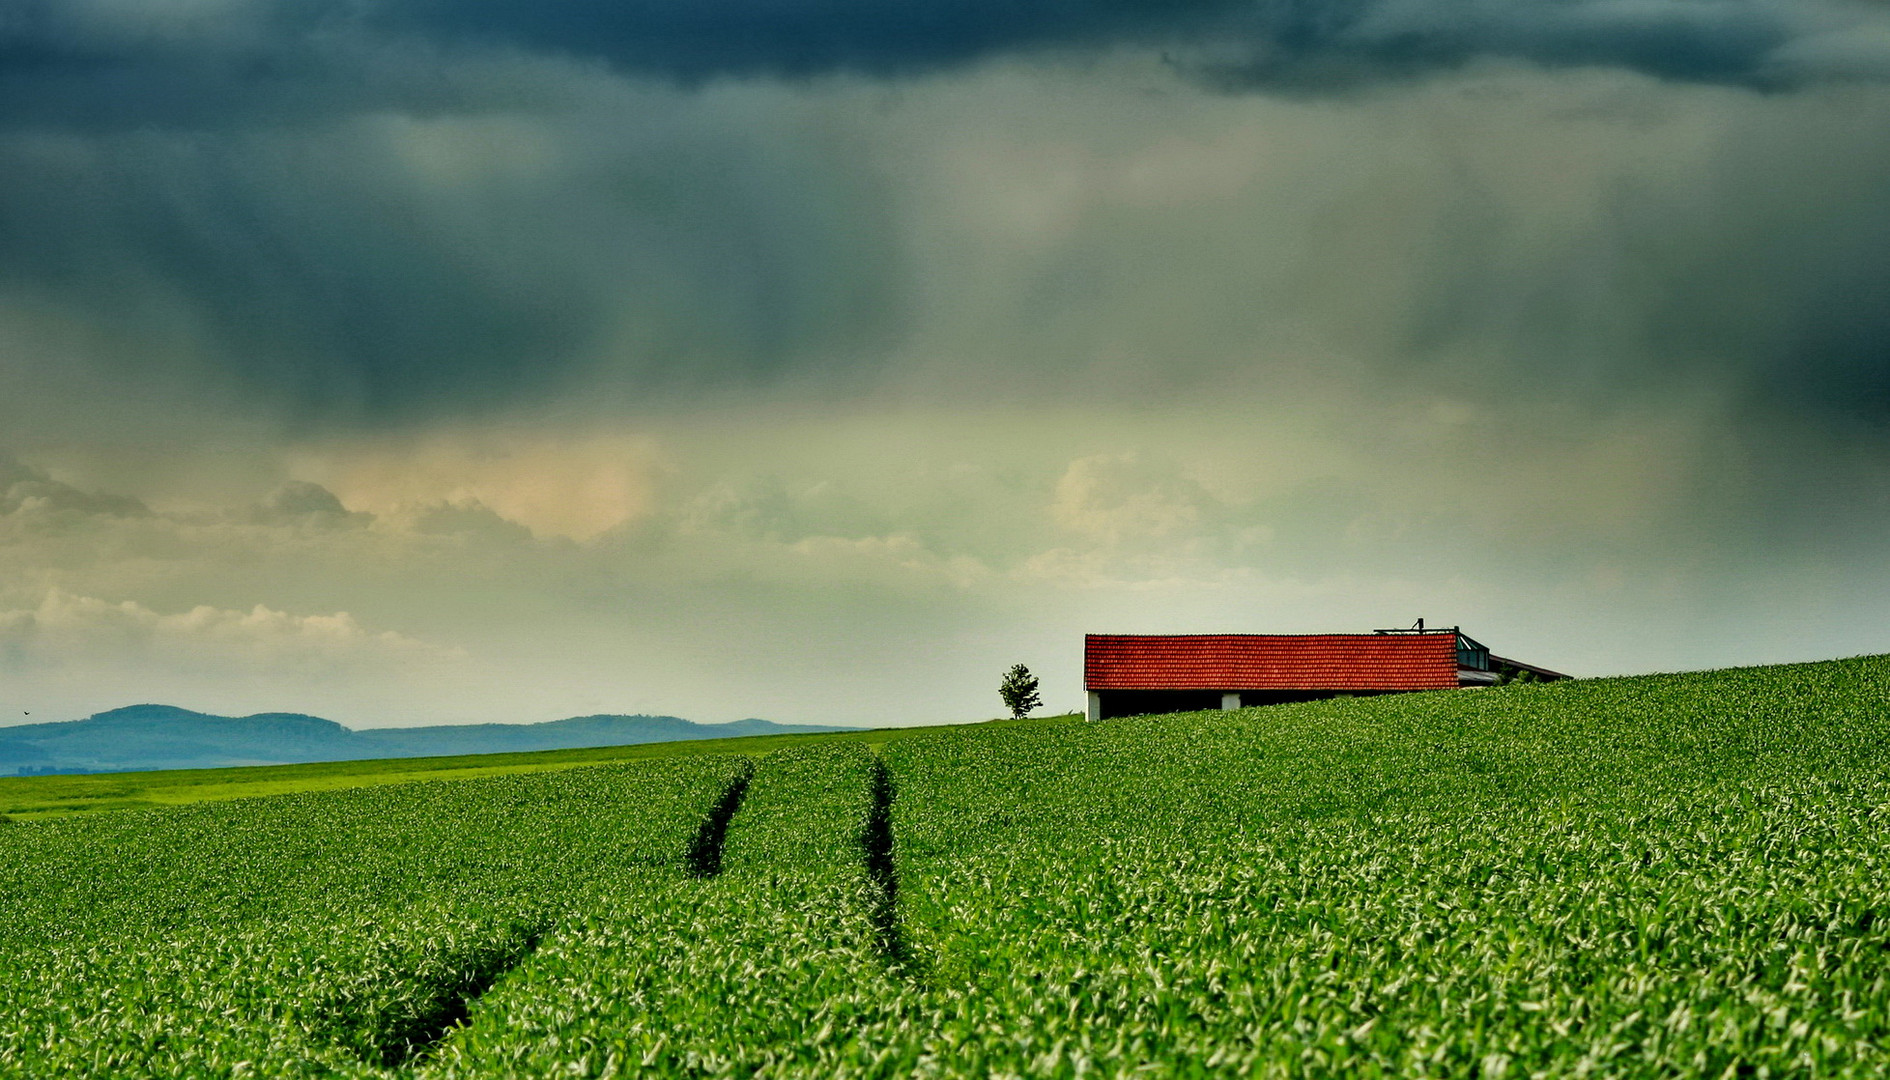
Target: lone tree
column 1019, row 691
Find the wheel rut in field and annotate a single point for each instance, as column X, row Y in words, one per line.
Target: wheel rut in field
column 882, row 872
column 425, row 998
column 704, row 857
column 424, row 993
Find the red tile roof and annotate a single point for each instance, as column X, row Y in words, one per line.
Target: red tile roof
column 1270, row 661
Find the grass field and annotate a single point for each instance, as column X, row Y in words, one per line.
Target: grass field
column 31, row 797
column 1663, row 876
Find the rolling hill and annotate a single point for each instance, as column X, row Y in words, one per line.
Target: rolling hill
column 1656, row 876
column 143, row 737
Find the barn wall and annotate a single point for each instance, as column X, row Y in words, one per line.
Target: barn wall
column 1250, row 698
column 1143, row 702
column 1106, row 704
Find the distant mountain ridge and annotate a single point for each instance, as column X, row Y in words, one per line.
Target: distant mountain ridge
column 142, row 737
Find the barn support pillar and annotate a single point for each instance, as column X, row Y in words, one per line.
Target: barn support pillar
column 1230, row 700
column 1094, row 711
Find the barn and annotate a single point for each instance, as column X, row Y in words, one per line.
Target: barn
column 1133, row 674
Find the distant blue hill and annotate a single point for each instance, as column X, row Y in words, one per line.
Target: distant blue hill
column 141, row 737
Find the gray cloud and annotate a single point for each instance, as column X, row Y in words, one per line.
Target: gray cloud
column 1281, row 43
column 314, row 283
column 1573, row 308
column 1335, row 45
column 1763, row 275
column 114, row 63
column 299, row 502
column 381, row 214
column 26, row 489
column 1479, row 282
column 466, row 518
column 386, row 270
column 652, row 247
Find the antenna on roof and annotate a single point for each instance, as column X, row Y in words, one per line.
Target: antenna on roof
column 1419, row 626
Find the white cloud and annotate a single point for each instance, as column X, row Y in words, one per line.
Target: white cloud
column 1118, row 499
column 895, row 560
column 577, row 487
column 66, row 629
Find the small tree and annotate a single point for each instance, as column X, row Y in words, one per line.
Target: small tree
column 1019, row 691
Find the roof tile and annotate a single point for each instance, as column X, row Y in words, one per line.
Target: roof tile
column 1270, row 661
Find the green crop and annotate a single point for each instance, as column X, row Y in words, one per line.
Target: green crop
column 310, row 934
column 1660, row 876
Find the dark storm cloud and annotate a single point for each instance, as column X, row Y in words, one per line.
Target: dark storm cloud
column 1345, row 42
column 204, row 183
column 316, row 287
column 698, row 40
column 105, row 62
column 1774, row 280
column 1284, row 43
column 337, row 276
column 1804, row 295
column 272, row 63
column 1823, row 342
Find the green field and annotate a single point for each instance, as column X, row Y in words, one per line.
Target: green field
column 1661, row 876
column 29, row 797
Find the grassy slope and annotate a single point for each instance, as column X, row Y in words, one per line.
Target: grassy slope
column 1650, row 877
column 1663, row 876
column 28, row 797
column 311, row 934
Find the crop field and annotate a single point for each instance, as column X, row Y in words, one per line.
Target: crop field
column 1668, row 876
column 35, row 797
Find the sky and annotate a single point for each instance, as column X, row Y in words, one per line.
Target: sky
column 409, row 362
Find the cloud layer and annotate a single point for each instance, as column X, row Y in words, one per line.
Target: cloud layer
column 203, row 640
column 1600, row 234
column 686, row 358
column 96, row 60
